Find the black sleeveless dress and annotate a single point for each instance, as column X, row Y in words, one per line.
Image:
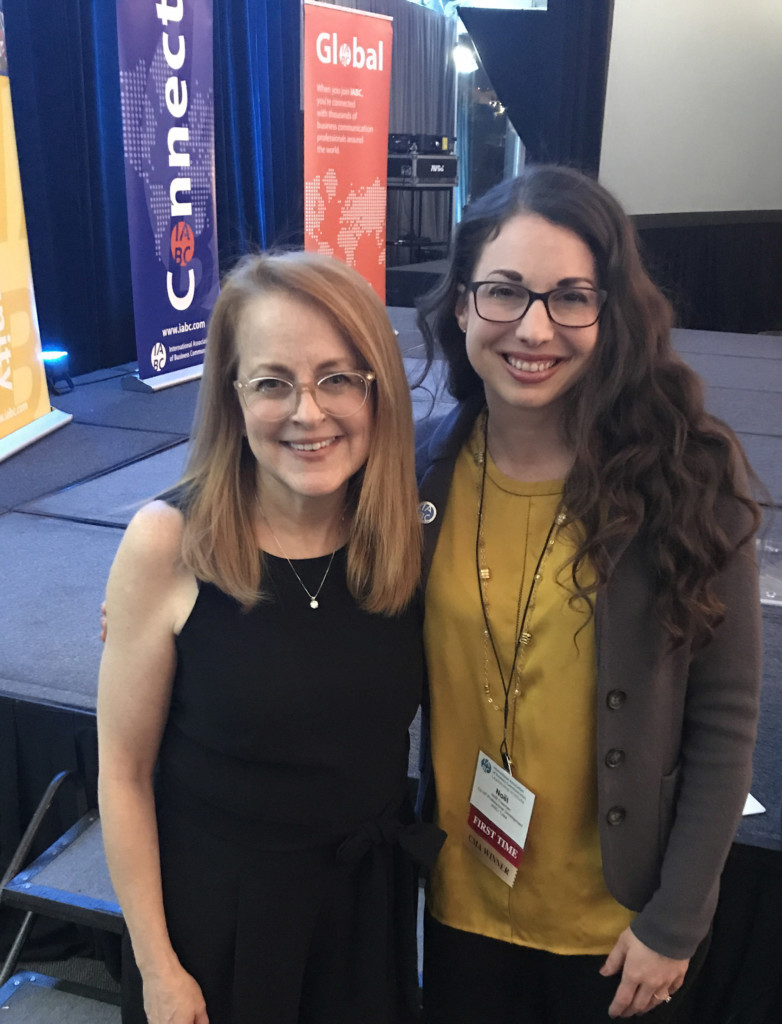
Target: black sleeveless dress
column 287, row 846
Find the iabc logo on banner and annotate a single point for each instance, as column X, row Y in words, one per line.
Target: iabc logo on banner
column 158, row 357
column 331, row 52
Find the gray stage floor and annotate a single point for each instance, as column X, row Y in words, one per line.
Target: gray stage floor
column 65, row 500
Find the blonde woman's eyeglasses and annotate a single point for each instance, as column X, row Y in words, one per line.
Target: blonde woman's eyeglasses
column 337, row 394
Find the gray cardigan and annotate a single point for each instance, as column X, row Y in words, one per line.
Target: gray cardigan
column 675, row 731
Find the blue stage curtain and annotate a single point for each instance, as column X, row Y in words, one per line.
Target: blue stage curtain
column 64, row 73
column 63, row 69
column 258, row 125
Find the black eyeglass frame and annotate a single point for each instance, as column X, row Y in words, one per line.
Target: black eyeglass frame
column 602, row 295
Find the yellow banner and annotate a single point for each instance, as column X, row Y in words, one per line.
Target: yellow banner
column 23, row 392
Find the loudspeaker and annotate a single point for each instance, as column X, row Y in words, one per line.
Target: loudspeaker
column 436, row 169
column 400, row 167
column 434, row 143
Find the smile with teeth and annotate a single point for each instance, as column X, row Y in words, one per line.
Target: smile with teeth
column 310, row 446
column 539, row 366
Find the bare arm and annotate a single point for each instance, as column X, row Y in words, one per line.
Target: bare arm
column 147, row 599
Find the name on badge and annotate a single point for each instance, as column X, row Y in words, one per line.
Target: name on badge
column 498, row 820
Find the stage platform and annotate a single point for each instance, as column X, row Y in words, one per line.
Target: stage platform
column 405, row 283
column 65, row 500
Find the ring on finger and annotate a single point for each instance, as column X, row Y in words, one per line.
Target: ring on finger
column 662, row 999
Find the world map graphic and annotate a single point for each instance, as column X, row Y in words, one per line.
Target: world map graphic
column 346, row 214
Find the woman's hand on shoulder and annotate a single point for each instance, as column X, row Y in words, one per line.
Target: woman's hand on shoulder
column 175, row 998
column 648, row 978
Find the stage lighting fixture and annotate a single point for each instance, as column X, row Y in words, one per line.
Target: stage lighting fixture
column 56, row 365
column 464, row 59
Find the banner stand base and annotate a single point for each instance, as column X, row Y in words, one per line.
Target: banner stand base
column 31, row 432
column 132, row 382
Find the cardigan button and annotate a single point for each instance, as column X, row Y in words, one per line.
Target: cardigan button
column 614, row 757
column 616, row 699
column 616, row 816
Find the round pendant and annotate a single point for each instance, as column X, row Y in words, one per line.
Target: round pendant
column 313, row 603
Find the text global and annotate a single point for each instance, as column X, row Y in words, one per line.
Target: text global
column 331, row 51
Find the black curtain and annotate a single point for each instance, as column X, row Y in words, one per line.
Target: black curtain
column 548, row 68
column 64, row 74
column 36, row 742
column 422, row 75
column 719, row 276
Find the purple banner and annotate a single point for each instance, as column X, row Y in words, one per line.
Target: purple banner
column 167, row 88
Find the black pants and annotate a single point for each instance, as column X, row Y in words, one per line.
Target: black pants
column 469, row 979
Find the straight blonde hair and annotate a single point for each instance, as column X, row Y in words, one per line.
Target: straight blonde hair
column 217, row 492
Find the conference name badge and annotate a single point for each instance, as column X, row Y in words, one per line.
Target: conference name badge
column 500, row 812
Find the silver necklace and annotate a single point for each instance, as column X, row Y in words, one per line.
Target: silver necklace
column 313, row 597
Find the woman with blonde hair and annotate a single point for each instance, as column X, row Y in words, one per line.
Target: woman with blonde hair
column 261, row 669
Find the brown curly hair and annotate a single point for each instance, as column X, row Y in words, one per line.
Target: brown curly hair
column 648, row 459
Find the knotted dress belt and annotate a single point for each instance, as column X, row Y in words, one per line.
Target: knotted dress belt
column 394, row 826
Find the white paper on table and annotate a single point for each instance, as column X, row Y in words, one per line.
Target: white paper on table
column 753, row 806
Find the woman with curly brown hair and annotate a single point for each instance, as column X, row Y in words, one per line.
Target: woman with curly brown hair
column 592, row 623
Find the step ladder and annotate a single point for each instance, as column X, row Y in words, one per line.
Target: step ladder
column 68, row 882
column 28, row 997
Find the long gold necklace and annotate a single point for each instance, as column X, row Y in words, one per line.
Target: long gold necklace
column 523, row 633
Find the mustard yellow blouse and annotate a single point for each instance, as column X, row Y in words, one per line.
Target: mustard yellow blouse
column 559, row 901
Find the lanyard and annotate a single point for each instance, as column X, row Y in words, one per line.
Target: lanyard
column 523, row 638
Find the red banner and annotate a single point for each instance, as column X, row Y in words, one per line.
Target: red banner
column 495, row 837
column 347, row 85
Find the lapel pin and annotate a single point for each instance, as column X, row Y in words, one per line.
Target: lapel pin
column 427, row 513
